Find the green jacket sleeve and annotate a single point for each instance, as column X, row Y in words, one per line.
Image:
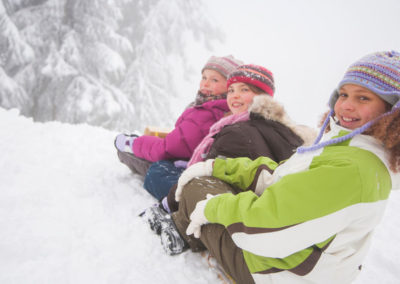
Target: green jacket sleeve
column 333, row 181
column 241, row 171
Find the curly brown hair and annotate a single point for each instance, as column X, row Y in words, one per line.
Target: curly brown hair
column 386, row 130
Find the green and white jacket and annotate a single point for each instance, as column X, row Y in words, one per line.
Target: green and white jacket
column 314, row 223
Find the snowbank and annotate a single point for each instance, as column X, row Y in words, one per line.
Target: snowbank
column 68, row 214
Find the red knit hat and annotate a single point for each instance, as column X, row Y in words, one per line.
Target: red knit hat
column 254, row 75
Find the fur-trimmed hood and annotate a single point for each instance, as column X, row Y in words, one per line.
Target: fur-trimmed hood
column 268, row 108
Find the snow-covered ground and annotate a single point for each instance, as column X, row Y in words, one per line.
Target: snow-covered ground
column 69, row 214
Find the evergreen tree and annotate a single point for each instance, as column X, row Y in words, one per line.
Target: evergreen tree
column 102, row 62
column 14, row 53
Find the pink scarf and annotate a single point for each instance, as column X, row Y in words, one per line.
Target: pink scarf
column 205, row 145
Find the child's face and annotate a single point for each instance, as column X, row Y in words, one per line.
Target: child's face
column 357, row 105
column 212, row 83
column 239, row 98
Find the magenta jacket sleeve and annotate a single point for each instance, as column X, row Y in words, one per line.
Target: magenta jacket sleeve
column 191, row 127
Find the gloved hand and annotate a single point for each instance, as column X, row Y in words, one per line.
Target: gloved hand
column 265, row 179
column 181, row 164
column 198, row 218
column 199, row 169
column 124, row 142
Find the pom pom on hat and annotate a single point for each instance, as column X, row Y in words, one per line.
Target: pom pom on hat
column 378, row 72
column 223, row 65
column 254, row 75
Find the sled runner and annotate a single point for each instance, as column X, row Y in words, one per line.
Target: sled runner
column 213, row 265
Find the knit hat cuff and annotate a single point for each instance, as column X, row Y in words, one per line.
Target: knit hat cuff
column 263, row 86
column 217, row 67
column 390, row 96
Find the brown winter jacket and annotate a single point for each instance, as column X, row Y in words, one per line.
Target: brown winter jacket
column 268, row 133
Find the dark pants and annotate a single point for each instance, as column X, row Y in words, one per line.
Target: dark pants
column 135, row 164
column 214, row 237
column 160, row 177
column 172, row 203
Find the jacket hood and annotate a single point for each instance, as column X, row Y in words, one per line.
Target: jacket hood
column 268, row 108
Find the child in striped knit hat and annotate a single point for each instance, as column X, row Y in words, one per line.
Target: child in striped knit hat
column 138, row 153
column 314, row 223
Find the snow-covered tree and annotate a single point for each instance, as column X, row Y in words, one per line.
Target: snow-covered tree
column 14, row 53
column 160, row 29
column 103, row 62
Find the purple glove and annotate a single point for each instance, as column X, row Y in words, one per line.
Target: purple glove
column 181, row 164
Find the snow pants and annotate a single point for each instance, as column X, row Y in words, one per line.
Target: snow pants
column 214, row 237
column 160, row 177
column 135, row 164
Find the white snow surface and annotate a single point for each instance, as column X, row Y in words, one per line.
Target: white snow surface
column 69, row 214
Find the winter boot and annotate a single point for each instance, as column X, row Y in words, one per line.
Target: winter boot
column 155, row 216
column 124, row 142
column 171, row 240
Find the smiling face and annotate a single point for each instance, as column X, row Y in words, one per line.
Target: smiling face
column 239, row 98
column 357, row 105
column 212, row 83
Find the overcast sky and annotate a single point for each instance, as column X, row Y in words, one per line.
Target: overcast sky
column 307, row 44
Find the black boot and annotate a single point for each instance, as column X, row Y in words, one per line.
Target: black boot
column 171, row 240
column 155, row 215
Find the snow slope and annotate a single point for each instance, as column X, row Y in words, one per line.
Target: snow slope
column 68, row 214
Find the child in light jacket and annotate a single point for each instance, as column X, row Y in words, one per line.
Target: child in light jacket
column 313, row 219
column 138, row 153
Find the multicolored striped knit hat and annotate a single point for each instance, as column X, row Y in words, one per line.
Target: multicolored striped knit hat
column 223, row 65
column 378, row 72
column 254, row 75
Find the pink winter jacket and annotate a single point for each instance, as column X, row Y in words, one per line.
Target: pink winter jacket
column 190, row 128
